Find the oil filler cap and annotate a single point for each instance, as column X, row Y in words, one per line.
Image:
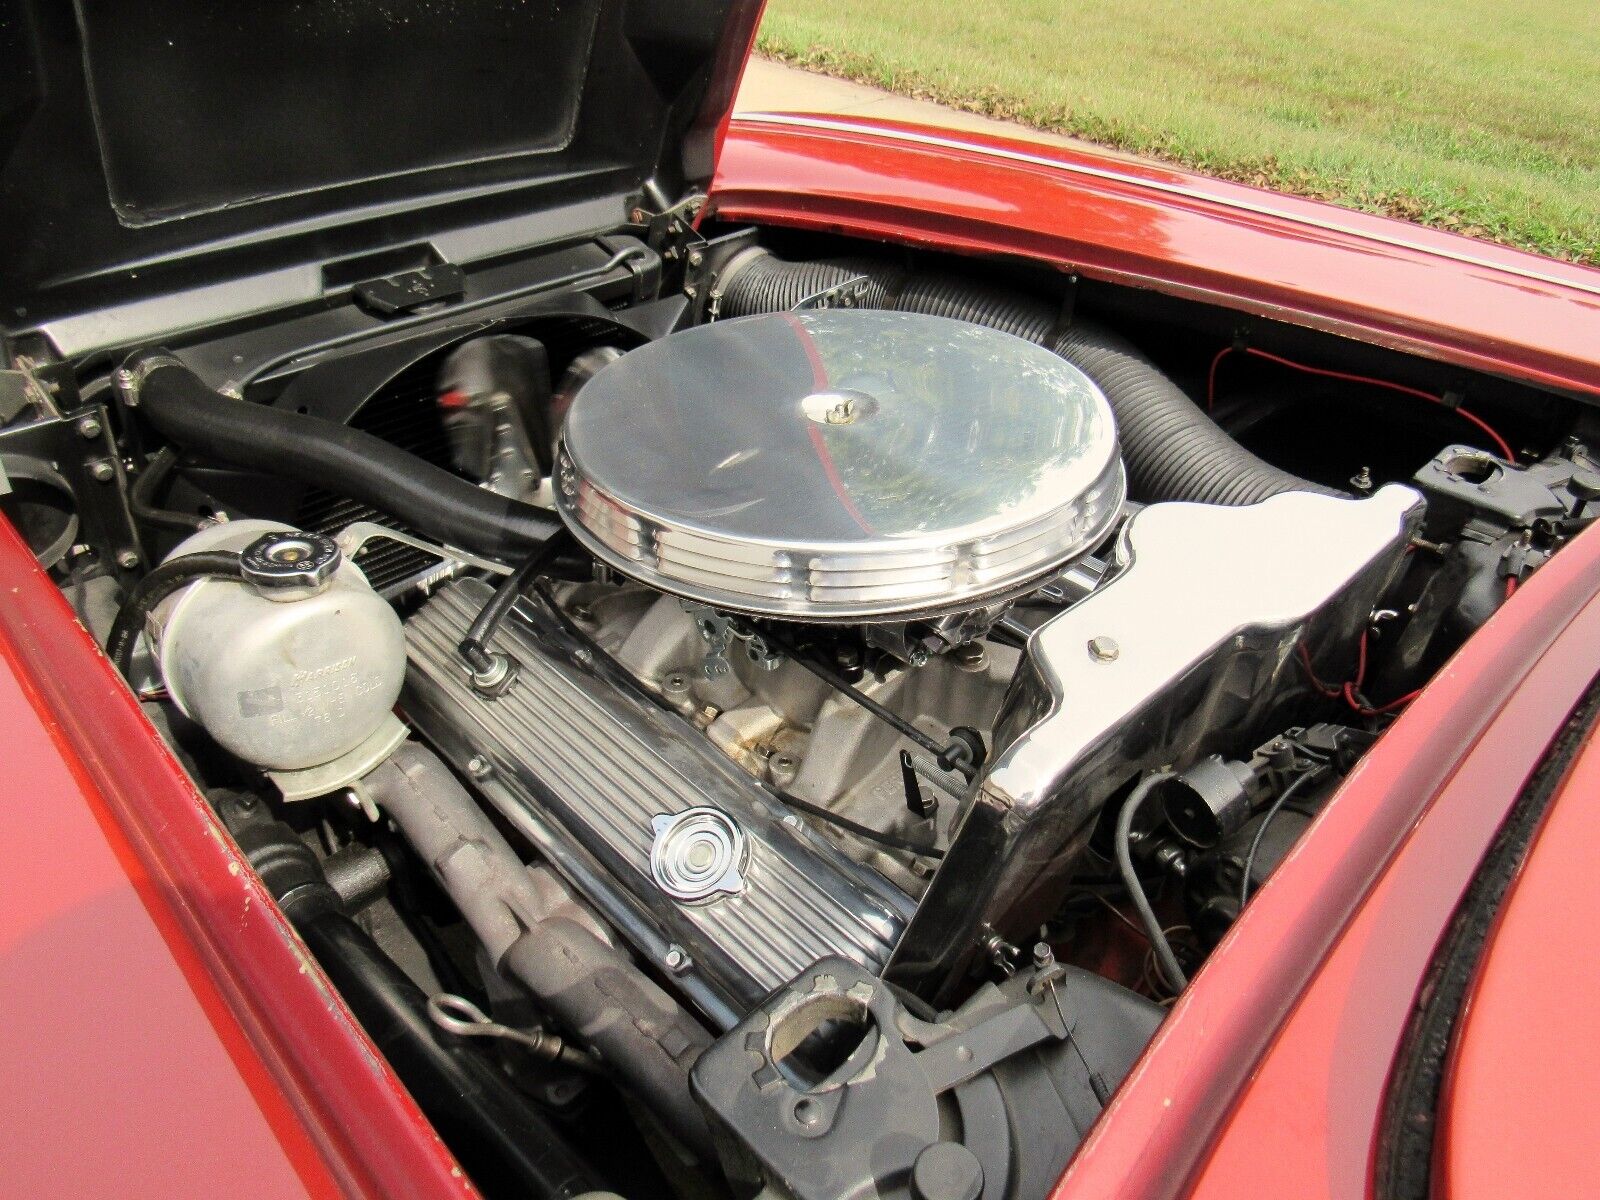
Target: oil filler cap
column 289, row 565
column 698, row 854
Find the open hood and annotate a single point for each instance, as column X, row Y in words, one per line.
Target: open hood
column 168, row 145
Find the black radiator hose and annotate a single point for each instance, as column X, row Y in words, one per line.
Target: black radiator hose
column 1173, row 450
column 505, row 1143
column 328, row 455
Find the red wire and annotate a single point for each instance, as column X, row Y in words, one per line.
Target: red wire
column 1305, row 660
column 1381, row 709
column 1211, row 377
column 1489, row 431
column 1349, row 691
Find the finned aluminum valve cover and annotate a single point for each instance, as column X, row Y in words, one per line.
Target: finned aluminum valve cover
column 839, row 465
column 692, row 860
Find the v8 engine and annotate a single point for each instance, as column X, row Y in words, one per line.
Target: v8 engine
column 816, row 720
column 813, row 524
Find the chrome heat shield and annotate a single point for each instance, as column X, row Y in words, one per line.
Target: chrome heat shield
column 1201, row 640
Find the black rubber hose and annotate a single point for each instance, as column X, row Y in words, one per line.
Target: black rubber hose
column 499, row 1137
column 962, row 299
column 1172, row 449
column 156, row 587
column 337, row 458
column 142, row 496
column 474, row 647
column 756, row 282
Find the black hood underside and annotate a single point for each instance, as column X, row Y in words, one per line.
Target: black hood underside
column 166, row 144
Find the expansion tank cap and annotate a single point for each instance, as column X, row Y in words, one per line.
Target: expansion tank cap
column 290, row 566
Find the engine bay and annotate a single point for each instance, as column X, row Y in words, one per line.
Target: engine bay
column 797, row 708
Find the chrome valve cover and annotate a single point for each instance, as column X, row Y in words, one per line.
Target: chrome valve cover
column 840, row 465
column 695, row 862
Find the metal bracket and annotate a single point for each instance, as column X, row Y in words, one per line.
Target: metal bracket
column 353, row 537
column 671, row 232
column 847, row 294
column 716, row 631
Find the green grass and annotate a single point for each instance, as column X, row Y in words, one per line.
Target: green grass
column 1475, row 115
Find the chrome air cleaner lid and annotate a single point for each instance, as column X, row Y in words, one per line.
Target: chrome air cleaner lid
column 840, row 464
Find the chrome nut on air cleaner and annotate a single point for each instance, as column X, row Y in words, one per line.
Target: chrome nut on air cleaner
column 698, row 854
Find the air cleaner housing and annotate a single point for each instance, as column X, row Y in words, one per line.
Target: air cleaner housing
column 840, row 465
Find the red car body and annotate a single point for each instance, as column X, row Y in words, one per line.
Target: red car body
column 174, row 1031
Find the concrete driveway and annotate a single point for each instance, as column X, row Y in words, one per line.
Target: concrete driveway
column 773, row 87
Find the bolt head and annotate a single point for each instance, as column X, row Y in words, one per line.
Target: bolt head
column 1585, row 485
column 102, row 471
column 127, row 560
column 89, row 428
column 478, row 767
column 1104, row 649
column 970, row 656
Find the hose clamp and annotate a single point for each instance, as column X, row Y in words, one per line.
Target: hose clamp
column 129, row 380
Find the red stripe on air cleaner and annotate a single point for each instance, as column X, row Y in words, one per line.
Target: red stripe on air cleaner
column 819, row 379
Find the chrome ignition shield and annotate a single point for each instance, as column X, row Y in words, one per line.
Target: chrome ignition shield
column 1196, row 643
